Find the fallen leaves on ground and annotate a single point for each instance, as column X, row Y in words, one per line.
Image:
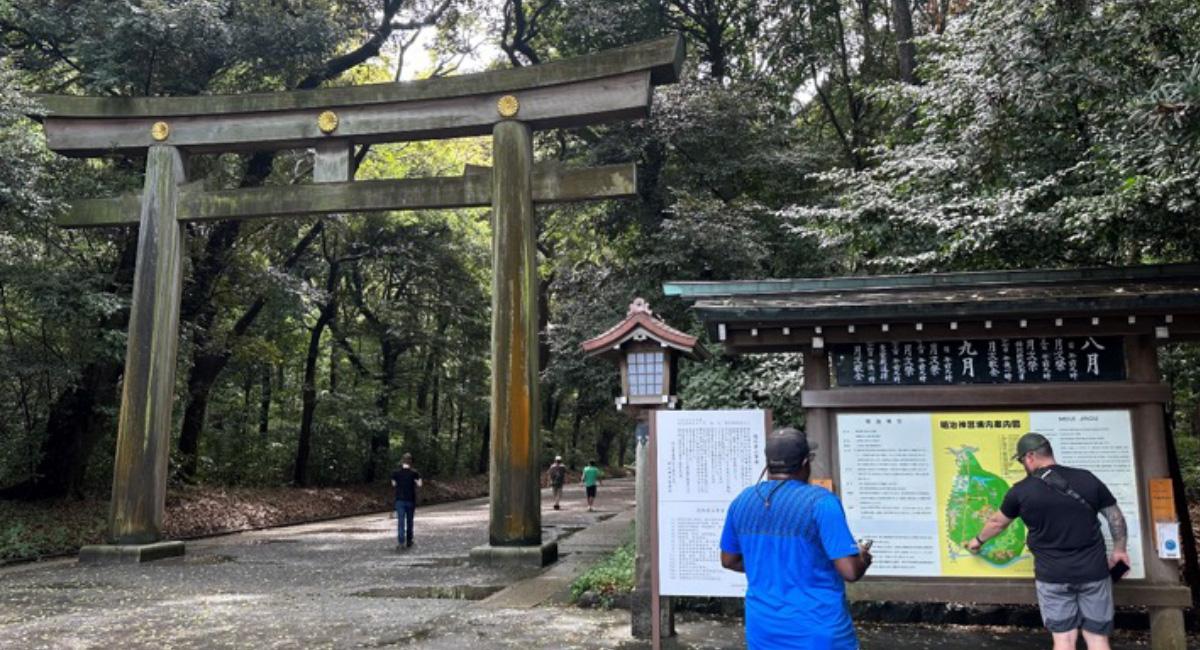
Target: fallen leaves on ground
column 34, row 530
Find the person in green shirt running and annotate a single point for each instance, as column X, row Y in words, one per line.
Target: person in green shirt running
column 591, row 477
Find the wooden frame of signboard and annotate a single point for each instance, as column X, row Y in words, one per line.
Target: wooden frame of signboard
column 1142, row 307
column 1160, row 588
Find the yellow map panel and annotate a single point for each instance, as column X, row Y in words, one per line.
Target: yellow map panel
column 973, row 467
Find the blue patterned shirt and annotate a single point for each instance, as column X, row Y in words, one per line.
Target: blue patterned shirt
column 796, row 598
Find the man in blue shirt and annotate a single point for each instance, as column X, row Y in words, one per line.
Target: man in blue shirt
column 792, row 542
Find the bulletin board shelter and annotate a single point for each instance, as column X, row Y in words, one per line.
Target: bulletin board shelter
column 944, row 348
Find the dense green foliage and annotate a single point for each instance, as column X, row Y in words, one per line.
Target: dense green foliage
column 807, row 138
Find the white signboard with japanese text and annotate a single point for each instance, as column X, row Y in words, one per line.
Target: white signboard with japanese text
column 922, row 485
column 704, row 460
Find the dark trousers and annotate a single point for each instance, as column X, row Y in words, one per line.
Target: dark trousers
column 404, row 521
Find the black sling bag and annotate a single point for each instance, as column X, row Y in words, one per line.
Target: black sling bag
column 1059, row 482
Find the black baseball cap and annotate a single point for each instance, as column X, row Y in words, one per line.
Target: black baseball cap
column 1030, row 442
column 787, row 448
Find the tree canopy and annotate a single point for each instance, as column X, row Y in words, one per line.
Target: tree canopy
column 806, row 139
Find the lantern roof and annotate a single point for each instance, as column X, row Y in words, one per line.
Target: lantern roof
column 641, row 325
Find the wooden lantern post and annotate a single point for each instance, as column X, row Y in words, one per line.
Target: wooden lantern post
column 648, row 352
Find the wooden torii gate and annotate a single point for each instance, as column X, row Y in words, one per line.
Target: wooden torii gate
column 508, row 104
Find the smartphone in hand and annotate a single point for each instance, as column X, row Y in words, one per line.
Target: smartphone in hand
column 1118, row 570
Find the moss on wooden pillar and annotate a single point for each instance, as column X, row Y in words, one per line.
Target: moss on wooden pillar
column 144, row 433
column 515, row 495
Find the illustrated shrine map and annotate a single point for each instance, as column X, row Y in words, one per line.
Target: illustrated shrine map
column 922, row 485
column 972, row 479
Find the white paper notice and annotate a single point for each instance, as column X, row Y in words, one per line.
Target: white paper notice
column 1102, row 443
column 705, row 459
column 888, row 490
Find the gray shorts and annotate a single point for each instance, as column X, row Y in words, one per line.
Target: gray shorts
column 1071, row 606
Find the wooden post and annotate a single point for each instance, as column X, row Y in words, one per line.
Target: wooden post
column 640, row 610
column 817, row 421
column 656, row 631
column 144, row 433
column 1167, row 630
column 515, row 496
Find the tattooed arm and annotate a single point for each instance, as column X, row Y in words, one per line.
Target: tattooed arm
column 1119, row 530
column 1116, row 526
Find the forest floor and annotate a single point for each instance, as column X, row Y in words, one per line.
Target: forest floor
column 44, row 529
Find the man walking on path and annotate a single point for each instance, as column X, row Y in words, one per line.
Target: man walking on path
column 406, row 480
column 1059, row 505
column 591, row 477
column 792, row 542
column 558, row 476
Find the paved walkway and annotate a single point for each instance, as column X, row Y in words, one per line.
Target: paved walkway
column 342, row 584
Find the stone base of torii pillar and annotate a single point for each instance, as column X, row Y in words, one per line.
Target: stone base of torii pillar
column 527, row 556
column 129, row 553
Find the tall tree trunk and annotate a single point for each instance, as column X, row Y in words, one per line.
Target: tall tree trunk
column 604, row 446
column 866, row 25
column 622, row 441
column 247, row 404
column 433, row 452
column 458, row 429
column 427, row 372
column 334, row 360
column 576, row 427
column 309, row 392
column 201, row 379
column 718, row 58
column 906, row 50
column 381, row 439
column 264, row 405
column 200, row 311
column 429, row 376
column 485, row 448
column 553, row 406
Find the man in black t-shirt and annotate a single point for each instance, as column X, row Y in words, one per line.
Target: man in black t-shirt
column 406, row 480
column 1059, row 506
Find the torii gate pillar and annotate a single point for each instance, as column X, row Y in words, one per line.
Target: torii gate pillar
column 516, row 423
column 144, row 430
